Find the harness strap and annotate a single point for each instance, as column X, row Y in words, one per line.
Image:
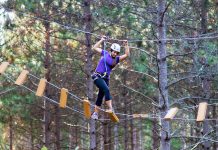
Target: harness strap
column 101, row 75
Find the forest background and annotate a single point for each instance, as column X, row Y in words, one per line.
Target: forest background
column 173, row 63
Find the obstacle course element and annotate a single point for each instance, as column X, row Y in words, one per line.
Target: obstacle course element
column 41, row 87
column 22, row 77
column 202, row 111
column 113, row 116
column 87, row 109
column 140, row 115
column 3, row 67
column 171, row 114
column 63, row 98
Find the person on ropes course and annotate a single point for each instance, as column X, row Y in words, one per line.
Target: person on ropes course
column 101, row 75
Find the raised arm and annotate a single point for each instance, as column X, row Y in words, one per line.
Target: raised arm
column 124, row 56
column 96, row 47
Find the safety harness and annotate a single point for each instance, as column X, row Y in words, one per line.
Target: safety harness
column 96, row 74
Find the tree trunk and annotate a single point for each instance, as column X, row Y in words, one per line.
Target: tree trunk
column 205, row 81
column 124, row 93
column 47, row 65
column 92, row 135
column 31, row 135
column 126, row 135
column 101, row 137
column 134, row 140
column 77, row 131
column 140, row 135
column 82, row 139
column 88, row 67
column 206, row 89
column 116, row 137
column 57, row 127
column 216, row 12
column 107, row 135
column 11, row 132
column 215, row 127
column 133, row 130
column 204, row 6
column 162, row 66
column 197, row 131
column 155, row 134
column 70, row 138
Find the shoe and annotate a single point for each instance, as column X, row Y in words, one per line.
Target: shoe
column 94, row 116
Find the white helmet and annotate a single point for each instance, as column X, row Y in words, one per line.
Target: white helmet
column 115, row 47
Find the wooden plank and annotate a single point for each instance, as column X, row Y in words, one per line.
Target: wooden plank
column 87, row 109
column 63, row 98
column 140, row 115
column 113, row 116
column 3, row 67
column 1, row 105
column 171, row 113
column 41, row 87
column 202, row 111
column 22, row 77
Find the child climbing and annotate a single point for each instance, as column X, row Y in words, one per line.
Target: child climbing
column 101, row 76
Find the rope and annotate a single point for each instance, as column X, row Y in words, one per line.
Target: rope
column 8, row 90
column 96, row 35
column 51, row 100
column 131, row 116
column 71, row 94
column 199, row 37
column 128, row 115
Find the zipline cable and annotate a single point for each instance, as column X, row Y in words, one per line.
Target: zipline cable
column 67, row 27
column 199, row 37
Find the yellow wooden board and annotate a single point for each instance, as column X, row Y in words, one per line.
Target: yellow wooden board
column 63, row 98
column 41, row 87
column 171, row 113
column 87, row 109
column 22, row 77
column 3, row 67
column 202, row 111
column 113, row 116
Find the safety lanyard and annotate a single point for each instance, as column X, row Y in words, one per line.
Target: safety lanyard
column 105, row 58
column 105, row 73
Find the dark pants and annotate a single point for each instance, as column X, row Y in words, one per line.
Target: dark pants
column 103, row 86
